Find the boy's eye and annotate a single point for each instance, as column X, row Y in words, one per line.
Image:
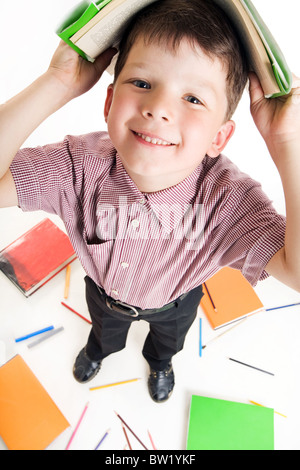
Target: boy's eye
column 141, row 84
column 193, row 100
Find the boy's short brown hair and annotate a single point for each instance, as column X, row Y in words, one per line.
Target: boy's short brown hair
column 200, row 21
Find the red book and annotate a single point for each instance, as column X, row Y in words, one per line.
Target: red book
column 37, row 256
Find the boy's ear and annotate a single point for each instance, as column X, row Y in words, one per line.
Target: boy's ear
column 108, row 101
column 221, row 139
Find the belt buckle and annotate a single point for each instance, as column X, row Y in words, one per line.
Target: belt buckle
column 113, row 305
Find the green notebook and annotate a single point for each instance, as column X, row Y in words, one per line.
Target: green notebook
column 92, row 27
column 216, row 424
column 79, row 17
column 264, row 54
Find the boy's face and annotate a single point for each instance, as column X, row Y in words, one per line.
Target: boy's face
column 166, row 112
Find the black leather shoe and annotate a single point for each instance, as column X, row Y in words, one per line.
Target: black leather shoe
column 161, row 383
column 84, row 368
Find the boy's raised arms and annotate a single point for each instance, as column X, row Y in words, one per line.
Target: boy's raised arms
column 67, row 77
column 278, row 121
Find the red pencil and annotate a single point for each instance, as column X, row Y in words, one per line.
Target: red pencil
column 128, row 442
column 76, row 313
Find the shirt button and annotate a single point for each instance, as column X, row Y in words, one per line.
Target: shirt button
column 124, row 265
column 114, row 292
column 135, row 223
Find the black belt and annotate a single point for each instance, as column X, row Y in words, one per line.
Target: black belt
column 122, row 307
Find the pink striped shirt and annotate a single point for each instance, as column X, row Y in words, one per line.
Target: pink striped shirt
column 148, row 249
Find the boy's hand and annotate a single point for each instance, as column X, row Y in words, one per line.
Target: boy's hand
column 76, row 74
column 277, row 119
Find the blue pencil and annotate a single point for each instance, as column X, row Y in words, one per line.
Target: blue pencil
column 102, row 439
column 282, row 306
column 34, row 334
column 200, row 337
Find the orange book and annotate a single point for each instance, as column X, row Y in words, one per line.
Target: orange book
column 228, row 297
column 29, row 419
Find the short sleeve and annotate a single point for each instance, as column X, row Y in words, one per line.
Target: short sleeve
column 246, row 230
column 49, row 178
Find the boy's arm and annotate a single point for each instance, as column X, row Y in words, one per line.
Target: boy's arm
column 278, row 121
column 67, row 77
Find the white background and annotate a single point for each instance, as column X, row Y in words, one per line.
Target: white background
column 268, row 340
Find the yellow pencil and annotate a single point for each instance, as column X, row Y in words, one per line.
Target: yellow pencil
column 258, row 404
column 67, row 282
column 113, row 384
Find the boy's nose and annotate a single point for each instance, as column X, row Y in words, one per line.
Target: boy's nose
column 163, row 116
column 157, row 107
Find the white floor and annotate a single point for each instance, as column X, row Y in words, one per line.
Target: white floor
column 267, row 340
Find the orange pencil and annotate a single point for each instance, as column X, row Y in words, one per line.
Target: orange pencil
column 258, row 404
column 67, row 282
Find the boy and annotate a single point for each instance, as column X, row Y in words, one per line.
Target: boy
column 154, row 209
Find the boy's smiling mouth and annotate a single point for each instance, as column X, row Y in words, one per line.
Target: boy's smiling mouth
column 153, row 140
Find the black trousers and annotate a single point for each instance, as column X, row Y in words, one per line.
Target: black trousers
column 167, row 329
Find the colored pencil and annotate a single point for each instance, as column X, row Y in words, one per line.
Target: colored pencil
column 151, row 440
column 252, row 367
column 210, row 297
column 67, row 282
column 126, row 437
column 44, row 330
column 282, row 306
column 78, row 424
column 102, row 439
column 46, row 336
column 258, row 404
column 131, row 431
column 113, row 384
column 224, row 332
column 76, row 313
column 200, row 337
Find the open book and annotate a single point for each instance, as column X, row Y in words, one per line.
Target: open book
column 264, row 54
column 93, row 27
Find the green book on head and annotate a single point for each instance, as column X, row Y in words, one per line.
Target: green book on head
column 93, row 27
column 264, row 54
column 226, row 425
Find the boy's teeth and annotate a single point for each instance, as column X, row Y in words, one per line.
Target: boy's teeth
column 153, row 140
